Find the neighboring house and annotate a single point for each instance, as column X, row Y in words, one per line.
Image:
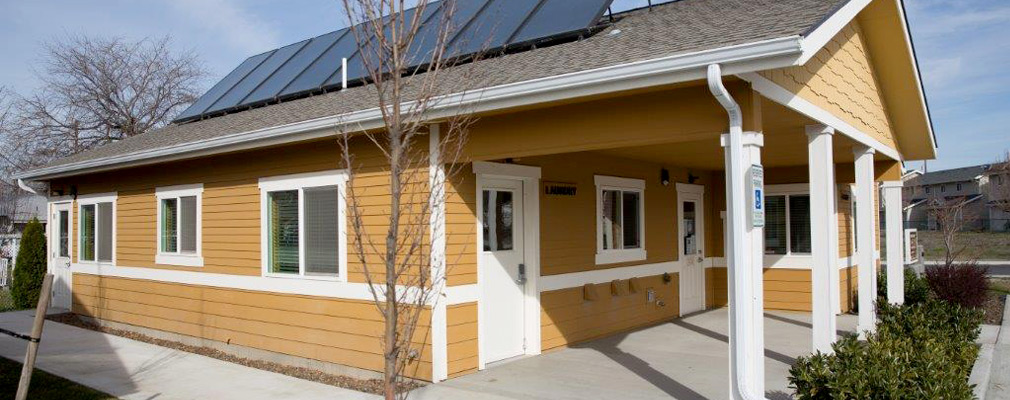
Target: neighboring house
column 13, row 220
column 997, row 191
column 600, row 153
column 967, row 185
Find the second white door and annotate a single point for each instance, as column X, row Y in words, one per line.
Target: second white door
column 691, row 218
column 502, row 273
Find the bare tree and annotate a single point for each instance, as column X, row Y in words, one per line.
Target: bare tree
column 95, row 91
column 952, row 217
column 397, row 264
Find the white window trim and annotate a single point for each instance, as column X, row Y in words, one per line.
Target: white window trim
column 299, row 182
column 179, row 258
column 94, row 199
column 790, row 259
column 613, row 256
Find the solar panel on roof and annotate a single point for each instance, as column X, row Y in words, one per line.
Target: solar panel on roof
column 315, row 64
column 280, row 79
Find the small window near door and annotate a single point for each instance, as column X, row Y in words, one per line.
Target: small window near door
column 787, row 224
column 95, row 230
column 690, row 237
column 620, row 220
column 64, row 233
column 499, row 227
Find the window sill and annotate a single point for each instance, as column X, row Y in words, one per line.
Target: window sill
column 328, row 278
column 620, row 256
column 182, row 260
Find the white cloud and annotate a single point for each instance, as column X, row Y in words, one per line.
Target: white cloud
column 230, row 23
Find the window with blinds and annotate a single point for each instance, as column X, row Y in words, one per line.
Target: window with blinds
column 303, row 228
column 95, row 232
column 322, row 233
column 179, row 225
column 283, row 230
column 787, row 224
column 621, row 219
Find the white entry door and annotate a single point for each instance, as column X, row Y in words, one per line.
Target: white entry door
column 502, row 271
column 59, row 253
column 691, row 223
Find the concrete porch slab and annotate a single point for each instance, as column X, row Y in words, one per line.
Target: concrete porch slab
column 687, row 358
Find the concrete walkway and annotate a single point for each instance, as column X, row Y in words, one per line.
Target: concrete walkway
column 135, row 370
column 684, row 359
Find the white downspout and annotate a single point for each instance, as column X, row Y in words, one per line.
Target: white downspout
column 25, row 187
column 739, row 254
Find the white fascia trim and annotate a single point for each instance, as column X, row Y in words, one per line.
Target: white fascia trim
column 748, row 57
column 505, row 170
column 784, row 97
column 819, row 37
column 576, row 279
column 619, row 183
column 620, row 256
column 918, row 77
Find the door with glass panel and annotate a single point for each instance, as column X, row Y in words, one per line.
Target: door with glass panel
column 502, row 272
column 59, row 253
column 691, row 218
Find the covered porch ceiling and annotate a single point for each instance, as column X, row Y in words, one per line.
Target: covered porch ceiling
column 785, row 144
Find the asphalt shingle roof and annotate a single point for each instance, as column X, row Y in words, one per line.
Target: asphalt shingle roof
column 681, row 27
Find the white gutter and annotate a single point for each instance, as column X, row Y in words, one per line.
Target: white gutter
column 741, row 367
column 737, row 59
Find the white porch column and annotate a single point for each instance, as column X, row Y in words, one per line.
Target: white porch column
column 865, row 231
column 744, row 260
column 894, row 234
column 439, row 322
column 822, row 231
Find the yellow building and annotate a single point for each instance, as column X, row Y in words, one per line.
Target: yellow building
column 596, row 197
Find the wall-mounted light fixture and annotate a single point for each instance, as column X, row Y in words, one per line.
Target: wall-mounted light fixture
column 664, row 177
column 691, row 178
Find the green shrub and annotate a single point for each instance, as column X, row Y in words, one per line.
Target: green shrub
column 916, row 287
column 30, row 267
column 920, row 351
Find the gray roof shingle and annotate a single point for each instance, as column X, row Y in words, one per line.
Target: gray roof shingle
column 681, row 27
column 949, row 175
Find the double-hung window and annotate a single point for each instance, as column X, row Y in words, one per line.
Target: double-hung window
column 179, row 225
column 96, row 228
column 787, row 224
column 620, row 220
column 303, row 219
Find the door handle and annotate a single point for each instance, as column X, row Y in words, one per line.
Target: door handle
column 522, row 274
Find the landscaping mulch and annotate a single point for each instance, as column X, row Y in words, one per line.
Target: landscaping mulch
column 373, row 386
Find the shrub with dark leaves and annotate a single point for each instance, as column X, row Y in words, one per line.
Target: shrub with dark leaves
column 965, row 283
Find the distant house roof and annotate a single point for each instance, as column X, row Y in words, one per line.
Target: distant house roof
column 947, row 176
column 683, row 27
column 29, row 206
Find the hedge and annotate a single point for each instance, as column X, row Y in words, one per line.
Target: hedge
column 30, row 267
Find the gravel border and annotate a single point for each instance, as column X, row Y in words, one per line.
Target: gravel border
column 373, row 386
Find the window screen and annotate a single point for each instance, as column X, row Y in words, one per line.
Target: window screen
column 187, row 224
column 87, row 232
column 169, row 225
column 775, row 225
column 104, row 232
column 321, row 231
column 282, row 219
column 799, row 224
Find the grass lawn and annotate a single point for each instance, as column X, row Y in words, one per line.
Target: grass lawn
column 1000, row 286
column 6, row 302
column 984, row 245
column 43, row 385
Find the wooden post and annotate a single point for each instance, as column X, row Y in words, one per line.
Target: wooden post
column 33, row 345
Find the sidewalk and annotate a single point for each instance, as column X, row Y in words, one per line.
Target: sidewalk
column 135, row 370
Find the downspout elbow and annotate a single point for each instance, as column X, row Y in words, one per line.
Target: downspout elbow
column 724, row 98
column 24, row 186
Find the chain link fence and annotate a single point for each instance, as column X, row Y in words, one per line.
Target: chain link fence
column 976, row 225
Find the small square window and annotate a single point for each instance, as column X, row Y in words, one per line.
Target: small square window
column 179, row 225
column 620, row 220
column 95, row 229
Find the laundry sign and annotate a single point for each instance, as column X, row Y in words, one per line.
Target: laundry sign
column 560, row 189
column 757, row 196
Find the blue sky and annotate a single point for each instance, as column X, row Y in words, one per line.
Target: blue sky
column 963, row 47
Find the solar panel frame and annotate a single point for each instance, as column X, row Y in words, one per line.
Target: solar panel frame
column 540, row 24
column 495, row 22
column 219, row 89
column 272, row 86
column 257, row 76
